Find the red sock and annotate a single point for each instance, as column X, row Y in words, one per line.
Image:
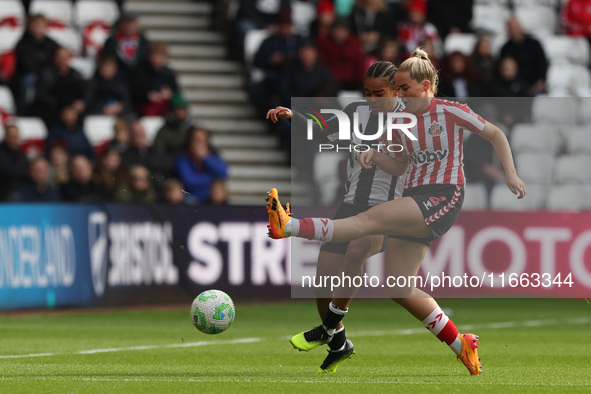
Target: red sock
column 306, row 228
column 441, row 326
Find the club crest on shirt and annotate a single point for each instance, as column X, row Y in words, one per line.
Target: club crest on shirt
column 435, row 129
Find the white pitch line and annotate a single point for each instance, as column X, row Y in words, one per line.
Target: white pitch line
column 146, row 347
column 411, row 331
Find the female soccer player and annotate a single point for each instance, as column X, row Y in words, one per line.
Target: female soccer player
column 429, row 205
column 366, row 187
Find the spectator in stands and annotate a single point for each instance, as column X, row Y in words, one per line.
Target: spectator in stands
column 342, row 53
column 140, row 188
column 59, row 86
column 138, row 151
column 110, row 172
column 508, row 85
column 174, row 194
column 58, row 165
column 122, row 135
column 218, row 194
column 483, row 62
column 529, row 55
column 33, row 52
column 388, row 51
column 255, row 15
column 457, row 77
column 37, row 187
column 173, row 134
column 275, row 53
column 127, row 44
column 450, row 16
column 199, row 165
column 576, row 18
column 325, row 16
column 153, row 84
column 69, row 132
column 13, row 162
column 81, row 187
column 371, row 22
column 302, row 78
column 108, row 92
column 417, row 31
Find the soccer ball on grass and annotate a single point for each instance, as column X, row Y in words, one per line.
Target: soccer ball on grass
column 212, row 312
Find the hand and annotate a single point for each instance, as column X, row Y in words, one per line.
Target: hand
column 516, row 185
column 366, row 158
column 279, row 112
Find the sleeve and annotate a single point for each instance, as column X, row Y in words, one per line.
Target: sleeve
column 189, row 177
column 216, row 166
column 262, row 58
column 466, row 118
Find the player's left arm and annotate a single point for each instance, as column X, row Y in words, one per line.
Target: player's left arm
column 497, row 138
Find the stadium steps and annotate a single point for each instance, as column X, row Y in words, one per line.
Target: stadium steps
column 215, row 88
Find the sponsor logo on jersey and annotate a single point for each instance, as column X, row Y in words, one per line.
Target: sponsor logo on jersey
column 435, row 129
column 427, row 156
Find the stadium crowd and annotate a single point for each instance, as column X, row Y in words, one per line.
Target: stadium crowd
column 132, row 80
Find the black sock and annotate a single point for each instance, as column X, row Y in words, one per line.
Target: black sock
column 338, row 340
column 333, row 317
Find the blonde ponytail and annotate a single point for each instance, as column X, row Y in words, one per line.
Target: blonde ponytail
column 420, row 68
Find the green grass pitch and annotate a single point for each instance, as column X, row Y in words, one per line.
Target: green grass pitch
column 526, row 346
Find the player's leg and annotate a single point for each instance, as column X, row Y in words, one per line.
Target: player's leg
column 341, row 348
column 396, row 217
column 404, row 259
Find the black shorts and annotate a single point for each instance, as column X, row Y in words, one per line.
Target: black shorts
column 345, row 211
column 440, row 205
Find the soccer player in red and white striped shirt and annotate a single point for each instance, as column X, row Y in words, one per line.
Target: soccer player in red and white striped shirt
column 429, row 205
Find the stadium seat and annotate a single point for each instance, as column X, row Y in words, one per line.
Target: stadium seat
column 84, row 65
column 573, row 169
column 497, row 42
column 501, row 198
column 54, row 10
column 540, row 21
column 554, row 110
column 252, row 43
column 67, row 37
column 326, row 175
column 99, row 128
column 568, row 80
column 303, row 14
column 12, row 15
column 489, row 18
column 578, row 140
column 584, row 116
column 461, row 42
column 1, row 131
column 566, row 49
column 537, row 138
column 33, row 134
column 535, row 168
column 569, row 198
column 89, row 11
column 9, row 38
column 475, row 197
column 346, row 97
column 6, row 100
column 152, row 124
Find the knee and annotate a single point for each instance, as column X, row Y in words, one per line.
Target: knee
column 360, row 249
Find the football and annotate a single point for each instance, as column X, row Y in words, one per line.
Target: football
column 212, row 312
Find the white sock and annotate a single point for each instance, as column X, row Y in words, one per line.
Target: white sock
column 323, row 229
column 436, row 321
column 292, row 227
column 456, row 346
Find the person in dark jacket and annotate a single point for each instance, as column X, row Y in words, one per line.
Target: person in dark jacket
column 59, row 86
column 529, row 55
column 371, row 22
column 173, row 134
column 153, row 84
column 13, row 162
column 108, row 93
column 37, row 187
column 82, row 187
column 199, row 165
column 33, row 52
column 127, row 44
column 69, row 132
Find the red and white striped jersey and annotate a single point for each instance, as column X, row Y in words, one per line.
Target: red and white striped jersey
column 436, row 157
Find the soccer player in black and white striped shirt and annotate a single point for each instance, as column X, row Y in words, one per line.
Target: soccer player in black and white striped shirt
column 364, row 188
